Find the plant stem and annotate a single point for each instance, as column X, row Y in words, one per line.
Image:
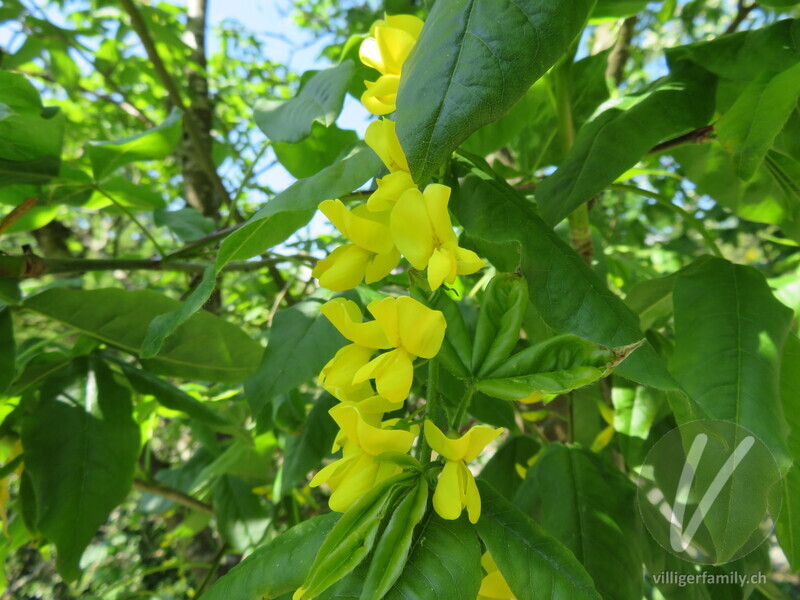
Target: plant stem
column 430, row 407
column 159, row 489
column 214, row 566
column 133, row 218
column 463, row 404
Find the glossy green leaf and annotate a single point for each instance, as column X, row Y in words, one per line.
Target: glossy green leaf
column 120, row 318
column 617, row 138
column 617, row 9
column 503, row 469
column 172, row 397
column 559, row 365
column 31, row 136
column 576, row 301
column 122, row 190
column 534, row 563
column 729, row 336
column 153, row 144
column 301, row 342
column 96, row 443
column 787, row 527
column 319, row 150
column 466, row 71
column 499, row 322
column 651, row 300
column 590, row 506
column 7, row 348
column 320, row 99
column 278, row 567
column 391, row 551
column 352, row 538
column 294, row 207
column 743, row 56
column 749, row 127
column 444, row 563
column 242, row 519
column 304, row 451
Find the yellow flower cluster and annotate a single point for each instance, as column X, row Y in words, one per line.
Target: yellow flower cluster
column 397, row 220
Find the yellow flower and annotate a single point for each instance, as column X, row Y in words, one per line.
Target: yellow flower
column 381, row 136
column 371, row 255
column 357, row 471
column 390, row 188
column 456, row 488
column 422, row 231
column 494, row 585
column 403, row 325
column 386, row 50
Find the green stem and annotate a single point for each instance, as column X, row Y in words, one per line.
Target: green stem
column 214, row 566
column 688, row 217
column 133, row 218
column 430, row 407
column 462, row 407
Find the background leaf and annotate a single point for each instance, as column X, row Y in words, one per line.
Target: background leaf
column 120, row 318
column 81, row 460
column 241, row 517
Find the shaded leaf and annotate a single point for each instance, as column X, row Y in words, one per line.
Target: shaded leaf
column 241, row 517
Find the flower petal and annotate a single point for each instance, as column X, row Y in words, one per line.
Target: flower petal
column 390, row 188
column 346, row 317
column 337, row 375
column 382, row 138
column 448, row 448
column 494, row 587
column 468, row 262
column 381, row 95
column 343, row 269
column 370, row 54
column 385, row 313
column 411, row 228
column 393, row 373
column 409, row 23
column 437, row 197
column 473, row 497
column 441, row 267
column 421, row 329
column 477, row 438
column 447, row 497
column 394, row 46
column 380, row 265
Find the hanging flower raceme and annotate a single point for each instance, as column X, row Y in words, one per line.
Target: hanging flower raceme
column 370, row 257
column 387, row 48
column 381, row 136
column 422, row 231
column 357, row 471
column 493, row 585
column 456, row 488
column 403, row 326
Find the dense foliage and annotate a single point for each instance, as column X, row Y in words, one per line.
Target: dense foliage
column 431, row 366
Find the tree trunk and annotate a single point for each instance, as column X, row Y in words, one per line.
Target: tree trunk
column 198, row 187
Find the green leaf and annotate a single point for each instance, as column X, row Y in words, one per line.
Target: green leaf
column 294, row 207
column 535, row 564
column 301, row 342
column 186, row 223
column 304, row 451
column 278, row 567
column 31, row 136
column 7, row 348
column 466, row 71
column 81, row 460
column 163, row 326
column 320, row 99
column 590, row 506
column 499, row 322
column 576, row 301
column 557, row 366
column 391, row 551
column 502, row 469
column 749, row 127
column 444, row 563
column 125, row 193
column 352, row 538
column 652, row 301
column 617, row 9
column 319, row 150
column 173, row 398
column 617, row 138
column 729, row 335
column 156, row 143
column 744, row 55
column 204, row 348
column 787, row 527
column 241, row 517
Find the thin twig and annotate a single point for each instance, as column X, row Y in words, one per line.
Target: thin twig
column 697, row 136
column 133, row 218
column 742, row 12
column 16, row 214
column 159, row 489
